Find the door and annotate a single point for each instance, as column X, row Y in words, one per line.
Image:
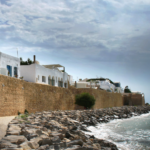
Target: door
column 9, row 68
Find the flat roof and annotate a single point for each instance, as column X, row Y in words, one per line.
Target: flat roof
column 53, row 65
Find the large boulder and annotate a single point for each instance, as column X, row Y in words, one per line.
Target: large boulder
column 15, row 139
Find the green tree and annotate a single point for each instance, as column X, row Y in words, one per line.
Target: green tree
column 127, row 90
column 28, row 62
column 85, row 99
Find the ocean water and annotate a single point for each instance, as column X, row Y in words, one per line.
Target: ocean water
column 128, row 134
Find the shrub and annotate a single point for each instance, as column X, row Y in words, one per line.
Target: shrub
column 85, row 99
column 24, row 116
column 26, row 112
column 19, row 113
column 127, row 91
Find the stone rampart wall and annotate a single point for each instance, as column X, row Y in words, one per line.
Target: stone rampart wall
column 18, row 95
column 133, row 99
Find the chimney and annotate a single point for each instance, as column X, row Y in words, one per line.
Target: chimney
column 34, row 59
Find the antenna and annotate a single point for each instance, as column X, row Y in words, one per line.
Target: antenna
column 17, row 52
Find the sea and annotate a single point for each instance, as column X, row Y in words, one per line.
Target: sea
column 128, row 134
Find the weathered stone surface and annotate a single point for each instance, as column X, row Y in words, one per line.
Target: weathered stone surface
column 56, row 139
column 15, row 139
column 46, row 140
column 60, row 135
column 75, row 142
column 25, row 146
column 44, row 147
column 37, row 140
column 14, row 129
column 59, row 129
column 12, row 149
column 4, row 143
column 33, row 145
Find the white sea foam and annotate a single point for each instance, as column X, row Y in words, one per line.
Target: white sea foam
column 128, row 134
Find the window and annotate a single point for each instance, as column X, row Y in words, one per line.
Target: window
column 16, row 72
column 117, row 84
column 43, row 79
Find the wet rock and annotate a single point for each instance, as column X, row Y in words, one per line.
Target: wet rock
column 75, row 142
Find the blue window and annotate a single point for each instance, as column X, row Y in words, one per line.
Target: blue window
column 9, row 68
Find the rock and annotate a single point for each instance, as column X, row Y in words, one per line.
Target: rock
column 84, row 129
column 66, row 140
column 15, row 139
column 33, row 145
column 56, row 139
column 75, row 142
column 104, row 143
column 25, row 146
column 96, row 145
column 59, row 127
column 37, row 140
column 60, row 135
column 46, row 140
column 44, row 147
column 69, row 135
column 14, row 130
column 38, row 132
column 4, row 143
column 31, row 136
column 12, row 149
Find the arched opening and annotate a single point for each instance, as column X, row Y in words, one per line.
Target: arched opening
column 53, row 81
column 49, row 80
column 65, row 84
column 60, row 82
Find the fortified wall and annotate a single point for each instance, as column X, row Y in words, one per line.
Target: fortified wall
column 18, row 95
column 133, row 99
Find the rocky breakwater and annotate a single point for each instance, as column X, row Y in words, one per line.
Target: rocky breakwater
column 63, row 130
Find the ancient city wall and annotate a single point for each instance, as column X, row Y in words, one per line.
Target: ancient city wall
column 18, row 95
column 133, row 99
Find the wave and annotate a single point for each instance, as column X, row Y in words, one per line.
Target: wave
column 128, row 134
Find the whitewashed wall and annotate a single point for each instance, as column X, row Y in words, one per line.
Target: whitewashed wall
column 42, row 71
column 70, row 79
column 31, row 73
column 28, row 72
column 11, row 61
column 82, row 85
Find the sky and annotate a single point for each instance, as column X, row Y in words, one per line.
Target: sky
column 91, row 38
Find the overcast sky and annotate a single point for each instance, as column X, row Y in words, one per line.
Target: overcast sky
column 91, row 38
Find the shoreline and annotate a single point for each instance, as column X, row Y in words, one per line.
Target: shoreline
column 64, row 129
column 107, row 131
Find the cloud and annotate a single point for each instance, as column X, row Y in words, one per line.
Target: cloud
column 78, row 28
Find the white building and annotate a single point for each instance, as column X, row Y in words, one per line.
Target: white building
column 102, row 84
column 118, row 88
column 9, row 65
column 45, row 74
